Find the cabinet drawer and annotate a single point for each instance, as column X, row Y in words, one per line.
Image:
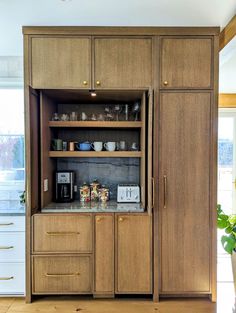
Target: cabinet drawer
column 12, row 247
column 12, row 278
column 62, row 274
column 67, row 233
column 12, row 223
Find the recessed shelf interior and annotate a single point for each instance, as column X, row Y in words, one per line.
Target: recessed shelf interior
column 109, row 168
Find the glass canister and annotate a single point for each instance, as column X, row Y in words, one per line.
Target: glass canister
column 103, row 194
column 94, row 187
column 84, row 193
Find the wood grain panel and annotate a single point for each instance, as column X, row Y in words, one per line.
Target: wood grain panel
column 67, row 233
column 123, row 63
column 133, row 254
column 228, row 33
column 185, row 160
column 104, row 254
column 62, row 274
column 186, row 63
column 60, row 62
column 48, row 165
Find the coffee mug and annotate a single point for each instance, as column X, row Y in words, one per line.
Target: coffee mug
column 110, row 146
column 97, row 145
column 57, row 144
column 84, row 146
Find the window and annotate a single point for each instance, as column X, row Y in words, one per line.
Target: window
column 12, row 163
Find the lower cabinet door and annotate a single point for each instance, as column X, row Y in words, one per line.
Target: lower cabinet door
column 12, row 278
column 104, row 254
column 133, row 254
column 62, row 274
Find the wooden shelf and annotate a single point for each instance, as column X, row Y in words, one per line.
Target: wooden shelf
column 95, row 154
column 102, row 124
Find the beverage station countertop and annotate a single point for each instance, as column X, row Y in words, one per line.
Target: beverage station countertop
column 77, row 206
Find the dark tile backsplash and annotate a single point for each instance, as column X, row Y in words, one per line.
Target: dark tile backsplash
column 108, row 171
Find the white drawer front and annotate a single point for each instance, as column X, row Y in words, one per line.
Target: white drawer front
column 12, row 223
column 12, row 278
column 12, row 247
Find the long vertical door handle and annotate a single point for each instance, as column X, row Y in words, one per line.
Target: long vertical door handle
column 153, row 192
column 165, row 190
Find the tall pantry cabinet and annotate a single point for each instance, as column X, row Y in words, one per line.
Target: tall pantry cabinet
column 170, row 248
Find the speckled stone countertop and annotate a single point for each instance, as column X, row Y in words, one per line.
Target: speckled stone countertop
column 11, row 208
column 77, row 206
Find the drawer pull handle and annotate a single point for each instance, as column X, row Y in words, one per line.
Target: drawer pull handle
column 7, row 224
column 121, row 219
column 62, row 274
column 6, row 247
column 98, row 219
column 6, row 278
column 62, row 233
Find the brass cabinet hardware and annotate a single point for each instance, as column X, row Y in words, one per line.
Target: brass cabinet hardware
column 121, row 219
column 62, row 274
column 85, row 83
column 7, row 278
column 7, row 224
column 98, row 219
column 6, row 247
column 153, row 192
column 165, row 190
column 62, row 233
column 165, row 83
column 98, row 83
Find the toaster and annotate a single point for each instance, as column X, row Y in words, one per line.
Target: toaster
column 128, row 193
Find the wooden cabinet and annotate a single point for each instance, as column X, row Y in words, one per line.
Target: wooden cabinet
column 62, row 274
column 123, row 63
column 129, row 59
column 186, row 62
column 68, row 233
column 61, row 62
column 133, row 254
column 104, row 254
column 184, row 191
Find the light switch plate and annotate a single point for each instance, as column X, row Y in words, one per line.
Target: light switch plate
column 45, row 185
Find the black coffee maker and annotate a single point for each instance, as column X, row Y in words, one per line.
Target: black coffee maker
column 64, row 186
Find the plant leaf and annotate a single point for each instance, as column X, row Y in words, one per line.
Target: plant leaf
column 222, row 224
column 228, row 243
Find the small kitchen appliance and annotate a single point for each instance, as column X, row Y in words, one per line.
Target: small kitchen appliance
column 128, row 193
column 64, row 186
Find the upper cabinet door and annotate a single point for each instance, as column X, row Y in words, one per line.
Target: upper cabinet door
column 123, row 63
column 186, row 63
column 61, row 62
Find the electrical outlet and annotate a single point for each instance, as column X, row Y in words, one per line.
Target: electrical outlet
column 45, row 185
column 75, row 188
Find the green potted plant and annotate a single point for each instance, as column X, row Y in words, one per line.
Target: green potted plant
column 228, row 240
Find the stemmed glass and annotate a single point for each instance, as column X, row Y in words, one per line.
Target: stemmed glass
column 117, row 110
column 136, row 110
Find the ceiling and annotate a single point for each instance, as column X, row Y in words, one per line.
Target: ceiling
column 16, row 13
column 227, row 78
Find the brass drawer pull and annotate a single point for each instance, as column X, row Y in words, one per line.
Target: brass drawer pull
column 98, row 83
column 165, row 190
column 98, row 219
column 85, row 83
column 62, row 274
column 62, row 233
column 7, row 224
column 121, row 219
column 6, row 278
column 165, row 83
column 6, row 247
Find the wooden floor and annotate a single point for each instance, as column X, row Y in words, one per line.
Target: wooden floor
column 70, row 305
